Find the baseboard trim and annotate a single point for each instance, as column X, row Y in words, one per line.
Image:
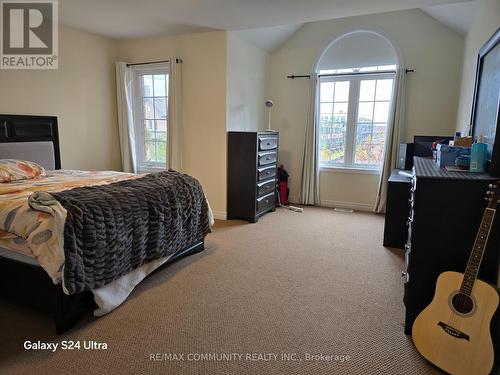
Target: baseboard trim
column 220, row 215
column 350, row 205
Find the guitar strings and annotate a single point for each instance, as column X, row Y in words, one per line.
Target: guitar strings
column 462, row 298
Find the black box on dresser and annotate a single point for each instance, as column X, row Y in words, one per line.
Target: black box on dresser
column 251, row 174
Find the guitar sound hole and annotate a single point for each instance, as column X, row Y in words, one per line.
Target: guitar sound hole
column 462, row 303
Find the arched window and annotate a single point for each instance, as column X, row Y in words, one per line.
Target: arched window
column 356, row 92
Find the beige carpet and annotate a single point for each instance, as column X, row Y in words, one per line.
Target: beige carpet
column 313, row 283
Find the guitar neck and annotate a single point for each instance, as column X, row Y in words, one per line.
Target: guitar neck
column 477, row 253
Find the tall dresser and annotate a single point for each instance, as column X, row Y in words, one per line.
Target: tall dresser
column 251, row 174
column 446, row 211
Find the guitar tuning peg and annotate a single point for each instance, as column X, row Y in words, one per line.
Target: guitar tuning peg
column 490, row 186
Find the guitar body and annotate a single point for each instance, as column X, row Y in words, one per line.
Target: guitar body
column 457, row 342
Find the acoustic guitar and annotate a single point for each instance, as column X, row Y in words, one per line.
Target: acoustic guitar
column 453, row 332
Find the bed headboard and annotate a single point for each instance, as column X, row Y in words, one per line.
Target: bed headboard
column 33, row 138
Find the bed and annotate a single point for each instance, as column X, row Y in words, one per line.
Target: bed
column 28, row 279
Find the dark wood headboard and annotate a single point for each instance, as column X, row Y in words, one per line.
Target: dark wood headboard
column 21, row 128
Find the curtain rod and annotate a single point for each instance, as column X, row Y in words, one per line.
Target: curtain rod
column 293, row 76
column 178, row 61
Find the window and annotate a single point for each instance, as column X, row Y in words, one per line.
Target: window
column 354, row 110
column 365, row 69
column 151, row 117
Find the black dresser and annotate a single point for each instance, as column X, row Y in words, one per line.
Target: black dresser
column 446, row 211
column 251, row 174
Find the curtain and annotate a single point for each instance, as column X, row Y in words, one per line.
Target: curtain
column 175, row 114
column 124, row 98
column 395, row 128
column 309, row 192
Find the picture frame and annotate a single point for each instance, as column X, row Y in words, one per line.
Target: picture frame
column 485, row 117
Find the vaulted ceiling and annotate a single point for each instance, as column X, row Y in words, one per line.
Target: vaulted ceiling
column 134, row 18
column 457, row 16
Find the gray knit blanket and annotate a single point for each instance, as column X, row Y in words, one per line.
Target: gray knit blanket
column 110, row 230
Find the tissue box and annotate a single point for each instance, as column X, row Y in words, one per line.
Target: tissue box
column 446, row 155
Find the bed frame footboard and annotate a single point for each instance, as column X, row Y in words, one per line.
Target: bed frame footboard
column 29, row 286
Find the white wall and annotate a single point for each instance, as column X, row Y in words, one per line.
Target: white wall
column 81, row 93
column 486, row 22
column 204, row 103
column 247, row 75
column 433, row 50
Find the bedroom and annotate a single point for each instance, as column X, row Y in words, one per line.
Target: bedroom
column 296, row 292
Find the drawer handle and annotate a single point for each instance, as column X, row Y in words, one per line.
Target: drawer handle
column 268, row 144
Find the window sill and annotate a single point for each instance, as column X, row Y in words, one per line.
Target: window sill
column 338, row 169
column 150, row 169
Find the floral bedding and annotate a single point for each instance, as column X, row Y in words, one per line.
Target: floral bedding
column 35, row 233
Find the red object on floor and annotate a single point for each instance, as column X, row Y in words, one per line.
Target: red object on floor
column 283, row 188
column 283, row 185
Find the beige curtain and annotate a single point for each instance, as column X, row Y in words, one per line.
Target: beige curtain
column 175, row 114
column 124, row 98
column 396, row 127
column 309, row 192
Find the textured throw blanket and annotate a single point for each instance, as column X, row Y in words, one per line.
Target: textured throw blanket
column 113, row 229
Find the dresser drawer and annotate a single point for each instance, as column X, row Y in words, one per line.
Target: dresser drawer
column 267, row 157
column 267, row 201
column 268, row 142
column 266, row 172
column 266, row 187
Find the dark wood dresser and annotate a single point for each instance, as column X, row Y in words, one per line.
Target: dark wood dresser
column 446, row 211
column 251, row 174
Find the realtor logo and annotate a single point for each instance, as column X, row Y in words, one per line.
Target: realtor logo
column 29, row 37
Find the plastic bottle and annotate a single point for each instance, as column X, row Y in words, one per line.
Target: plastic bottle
column 478, row 156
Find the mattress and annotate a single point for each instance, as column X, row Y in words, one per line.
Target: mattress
column 33, row 237
column 18, row 256
column 33, row 232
